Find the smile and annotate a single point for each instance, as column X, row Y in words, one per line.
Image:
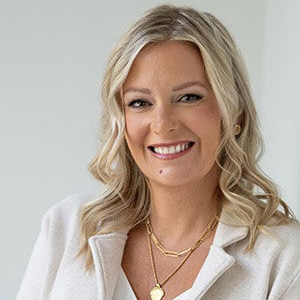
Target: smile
column 171, row 152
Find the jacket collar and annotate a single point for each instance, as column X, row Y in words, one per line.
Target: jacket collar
column 107, row 251
column 227, row 233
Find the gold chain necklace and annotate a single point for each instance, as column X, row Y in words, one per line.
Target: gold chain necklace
column 157, row 292
column 173, row 253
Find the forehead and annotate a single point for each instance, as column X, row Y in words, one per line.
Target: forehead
column 170, row 48
column 173, row 61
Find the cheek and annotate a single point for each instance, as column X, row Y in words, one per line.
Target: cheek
column 206, row 125
column 206, row 122
column 135, row 130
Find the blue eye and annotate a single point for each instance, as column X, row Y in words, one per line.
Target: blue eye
column 191, row 98
column 139, row 103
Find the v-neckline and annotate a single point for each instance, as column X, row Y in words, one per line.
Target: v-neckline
column 181, row 296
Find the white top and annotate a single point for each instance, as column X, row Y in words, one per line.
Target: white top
column 124, row 290
column 270, row 272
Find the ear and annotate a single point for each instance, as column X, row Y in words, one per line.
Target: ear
column 240, row 120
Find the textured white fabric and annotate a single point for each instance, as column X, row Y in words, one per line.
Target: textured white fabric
column 124, row 290
column 271, row 271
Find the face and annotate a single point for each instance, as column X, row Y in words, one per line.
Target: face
column 173, row 124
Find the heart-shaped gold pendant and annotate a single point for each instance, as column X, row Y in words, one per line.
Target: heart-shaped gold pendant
column 157, row 293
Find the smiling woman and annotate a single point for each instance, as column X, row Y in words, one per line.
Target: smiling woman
column 174, row 129
column 186, row 212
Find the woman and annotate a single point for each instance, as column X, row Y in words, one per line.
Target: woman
column 185, row 212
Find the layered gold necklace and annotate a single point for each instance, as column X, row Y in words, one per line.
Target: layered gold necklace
column 157, row 292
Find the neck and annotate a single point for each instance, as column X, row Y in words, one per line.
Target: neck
column 180, row 214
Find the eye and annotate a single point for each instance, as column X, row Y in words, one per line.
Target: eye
column 138, row 104
column 191, row 98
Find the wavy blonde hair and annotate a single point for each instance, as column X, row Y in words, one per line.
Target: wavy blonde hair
column 247, row 195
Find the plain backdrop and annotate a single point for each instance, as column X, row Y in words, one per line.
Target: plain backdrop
column 53, row 55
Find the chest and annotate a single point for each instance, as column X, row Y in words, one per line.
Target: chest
column 138, row 269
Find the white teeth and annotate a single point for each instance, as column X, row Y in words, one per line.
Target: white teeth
column 172, row 149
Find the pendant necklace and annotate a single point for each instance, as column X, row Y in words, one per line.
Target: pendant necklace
column 157, row 291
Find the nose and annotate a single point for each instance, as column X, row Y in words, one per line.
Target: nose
column 164, row 120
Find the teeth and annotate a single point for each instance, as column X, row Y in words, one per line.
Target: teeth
column 172, row 149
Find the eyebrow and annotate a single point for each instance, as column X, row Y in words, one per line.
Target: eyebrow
column 174, row 89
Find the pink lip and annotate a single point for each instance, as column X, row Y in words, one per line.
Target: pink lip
column 171, row 155
column 169, row 144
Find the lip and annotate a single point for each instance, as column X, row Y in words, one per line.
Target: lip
column 170, row 156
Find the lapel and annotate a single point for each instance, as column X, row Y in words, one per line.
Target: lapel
column 218, row 260
column 107, row 251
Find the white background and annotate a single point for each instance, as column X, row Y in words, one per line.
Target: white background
column 52, row 59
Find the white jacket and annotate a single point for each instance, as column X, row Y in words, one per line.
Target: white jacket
column 271, row 272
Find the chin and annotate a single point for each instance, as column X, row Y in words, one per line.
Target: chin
column 175, row 180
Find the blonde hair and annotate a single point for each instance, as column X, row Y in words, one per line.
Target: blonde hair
column 247, row 195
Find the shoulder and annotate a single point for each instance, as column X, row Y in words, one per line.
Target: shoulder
column 281, row 252
column 284, row 238
column 282, row 241
column 70, row 204
column 284, row 252
column 55, row 248
column 62, row 219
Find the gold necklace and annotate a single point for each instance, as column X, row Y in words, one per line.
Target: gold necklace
column 157, row 292
column 210, row 226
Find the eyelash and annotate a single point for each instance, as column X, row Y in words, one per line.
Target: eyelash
column 131, row 103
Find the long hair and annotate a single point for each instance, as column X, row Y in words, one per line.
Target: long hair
column 248, row 196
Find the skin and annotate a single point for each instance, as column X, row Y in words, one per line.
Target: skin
column 182, row 189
